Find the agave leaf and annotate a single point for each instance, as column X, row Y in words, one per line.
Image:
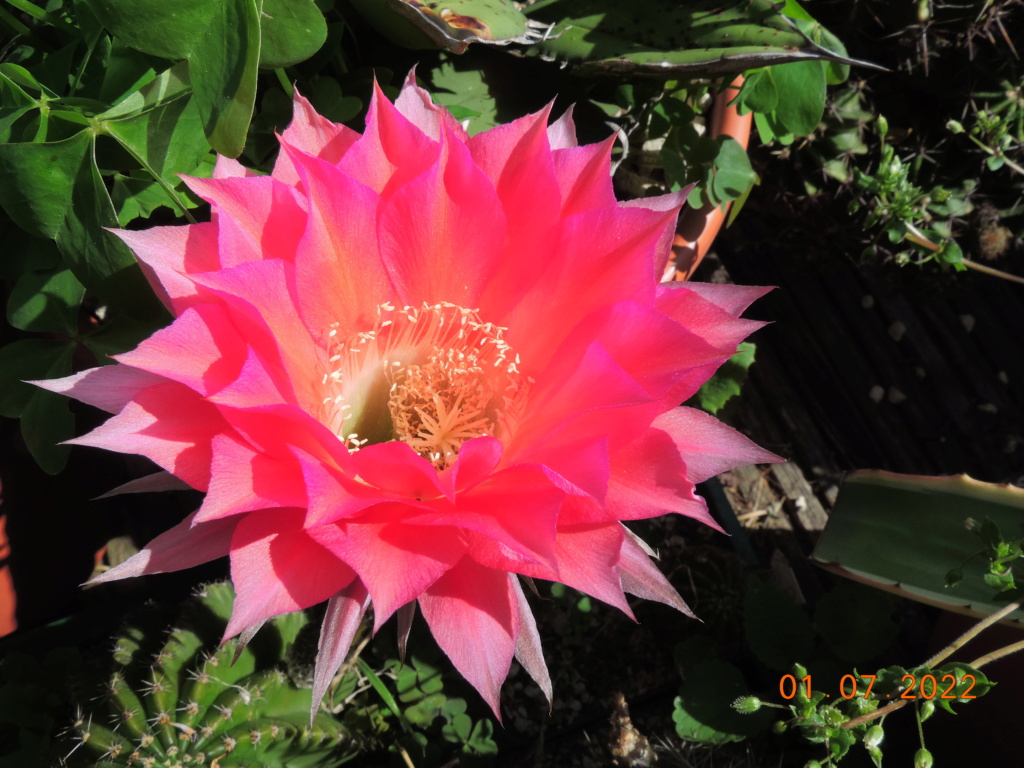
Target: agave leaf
column 904, row 533
column 453, row 24
column 665, row 37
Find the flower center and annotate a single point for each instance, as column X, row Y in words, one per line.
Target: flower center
column 433, row 377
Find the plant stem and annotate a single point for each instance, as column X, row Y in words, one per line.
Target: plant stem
column 981, row 661
column 880, row 712
column 971, row 633
column 991, row 271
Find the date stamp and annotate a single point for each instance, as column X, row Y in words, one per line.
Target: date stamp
column 927, row 687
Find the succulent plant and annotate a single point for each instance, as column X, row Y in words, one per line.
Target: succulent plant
column 178, row 699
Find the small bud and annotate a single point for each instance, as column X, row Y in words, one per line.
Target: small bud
column 832, row 716
column 874, row 736
column 876, row 756
column 927, row 710
column 812, row 764
column 954, row 127
column 747, row 704
column 923, row 758
column 883, row 126
column 779, row 726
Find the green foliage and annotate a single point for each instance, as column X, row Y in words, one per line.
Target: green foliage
column 1001, row 555
column 180, row 696
column 727, row 380
column 665, row 39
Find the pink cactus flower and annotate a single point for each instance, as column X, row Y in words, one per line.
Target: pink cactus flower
column 410, row 367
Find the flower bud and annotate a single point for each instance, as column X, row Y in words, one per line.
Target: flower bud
column 923, row 758
column 927, row 710
column 747, row 704
column 883, row 126
column 874, row 736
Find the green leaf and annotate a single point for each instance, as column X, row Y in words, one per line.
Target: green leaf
column 839, row 619
column 221, row 41
column 759, row 93
column 457, row 88
column 223, row 74
column 168, row 138
column 454, row 26
column 45, row 417
column 801, row 94
column 38, row 181
column 292, row 31
column 98, row 258
column 725, row 384
column 778, row 630
column 968, row 682
column 903, row 533
column 664, row 38
column 703, row 709
column 46, row 301
column 731, row 173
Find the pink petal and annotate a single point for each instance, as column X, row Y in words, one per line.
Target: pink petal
column 528, row 647
column 584, row 178
column 641, row 578
column 477, row 458
column 438, row 232
column 109, row 388
column 257, row 218
column 395, row 562
column 391, row 152
column 338, row 270
column 732, row 298
column 415, row 104
column 562, row 132
column 158, row 481
column 169, row 424
column 242, row 480
column 649, row 478
column 396, row 468
column 672, row 203
column 179, row 548
column 277, row 568
column 707, row 445
column 517, row 507
column 341, row 622
column 201, row 349
column 229, row 168
column 332, row 495
column 168, row 254
column 473, row 613
column 314, row 135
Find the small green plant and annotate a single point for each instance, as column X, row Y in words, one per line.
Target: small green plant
column 180, row 699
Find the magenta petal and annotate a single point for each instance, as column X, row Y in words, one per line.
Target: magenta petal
column 707, row 445
column 168, row 254
column 473, row 613
column 181, row 547
column 277, row 568
column 732, row 298
column 344, row 612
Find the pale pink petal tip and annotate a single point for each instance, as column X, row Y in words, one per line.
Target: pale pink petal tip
column 344, row 613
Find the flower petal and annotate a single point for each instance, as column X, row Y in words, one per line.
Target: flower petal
column 341, row 621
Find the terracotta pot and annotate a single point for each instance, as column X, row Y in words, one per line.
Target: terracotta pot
column 698, row 227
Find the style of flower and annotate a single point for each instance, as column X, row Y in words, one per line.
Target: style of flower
column 412, row 366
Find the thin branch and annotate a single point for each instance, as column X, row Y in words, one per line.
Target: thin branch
column 981, row 661
column 973, row 632
column 991, row 271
